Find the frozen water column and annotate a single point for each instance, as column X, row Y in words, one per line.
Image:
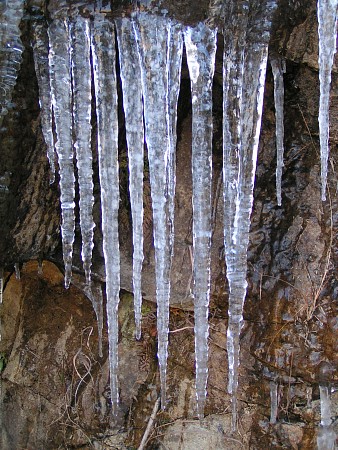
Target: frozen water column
column 200, row 43
column 245, row 57
column 327, row 33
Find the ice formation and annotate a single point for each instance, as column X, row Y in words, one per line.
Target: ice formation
column 244, row 69
column 327, row 31
column 40, row 52
column 201, row 65
column 150, row 51
column 81, row 84
column 159, row 76
column 61, row 90
column 326, row 437
column 11, row 49
column 278, row 69
column 104, row 58
column 273, row 402
column 133, row 109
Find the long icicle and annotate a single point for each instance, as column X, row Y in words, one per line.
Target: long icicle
column 200, row 44
column 153, row 33
column 60, row 76
column 82, row 131
column 327, row 32
column 277, row 71
column 133, row 110
column 244, row 137
column 40, row 52
column 11, row 49
column 104, row 60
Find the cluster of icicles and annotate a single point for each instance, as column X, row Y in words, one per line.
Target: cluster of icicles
column 150, row 48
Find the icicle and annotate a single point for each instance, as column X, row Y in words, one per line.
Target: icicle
column 40, row 267
column 245, row 56
column 1, row 284
column 200, row 43
column 133, row 109
column 277, row 71
column 94, row 293
column 11, row 50
column 327, row 32
column 40, row 52
column 274, row 402
column 326, row 438
column 60, row 75
column 17, row 271
column 104, row 60
column 174, row 78
column 82, row 130
column 154, row 33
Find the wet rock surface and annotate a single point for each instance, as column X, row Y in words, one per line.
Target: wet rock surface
column 54, row 383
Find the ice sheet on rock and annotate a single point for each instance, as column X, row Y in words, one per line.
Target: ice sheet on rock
column 278, row 69
column 154, row 34
column 60, row 77
column 327, row 32
column 11, row 49
column 104, row 60
column 245, row 56
column 133, row 110
column 40, row 52
column 81, row 80
column 200, row 44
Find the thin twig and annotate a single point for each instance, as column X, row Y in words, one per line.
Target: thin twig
column 150, row 424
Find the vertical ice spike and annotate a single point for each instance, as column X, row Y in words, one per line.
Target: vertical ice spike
column 40, row 52
column 277, row 71
column 326, row 438
column 174, row 79
column 1, row 284
column 104, row 60
column 200, row 44
column 327, row 32
column 11, row 49
column 153, row 34
column 274, row 402
column 81, row 77
column 245, row 57
column 17, row 271
column 61, row 90
column 133, row 110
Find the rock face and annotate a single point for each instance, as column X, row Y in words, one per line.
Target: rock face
column 54, row 383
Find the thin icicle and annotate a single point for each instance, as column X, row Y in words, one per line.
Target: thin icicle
column 94, row 293
column 327, row 32
column 245, row 56
column 104, row 60
column 174, row 79
column 11, row 49
column 200, row 44
column 1, row 284
column 82, row 130
column 326, row 438
column 153, row 33
column 40, row 52
column 17, row 271
column 278, row 69
column 274, row 402
column 60, row 76
column 133, row 110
